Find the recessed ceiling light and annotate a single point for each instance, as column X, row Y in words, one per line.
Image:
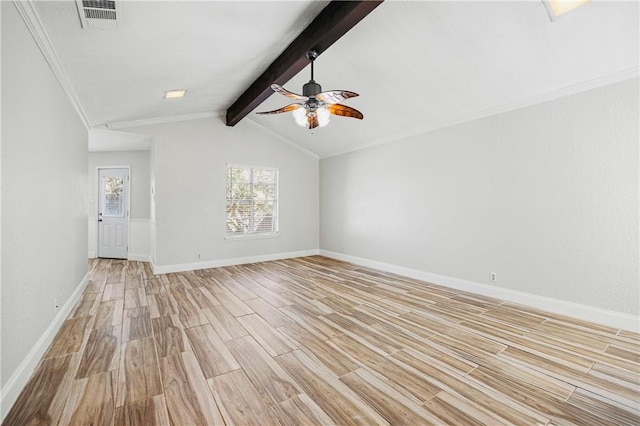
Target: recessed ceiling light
column 555, row 8
column 172, row 94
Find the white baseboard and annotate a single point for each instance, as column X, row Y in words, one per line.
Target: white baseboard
column 139, row 257
column 20, row 377
column 583, row 312
column 165, row 269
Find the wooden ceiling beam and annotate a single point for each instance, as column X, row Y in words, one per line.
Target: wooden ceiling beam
column 333, row 22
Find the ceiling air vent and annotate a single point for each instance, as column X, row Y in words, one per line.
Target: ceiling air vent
column 98, row 14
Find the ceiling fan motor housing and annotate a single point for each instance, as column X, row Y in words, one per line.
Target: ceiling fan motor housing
column 311, row 89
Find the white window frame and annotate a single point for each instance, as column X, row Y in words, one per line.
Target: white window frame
column 254, row 235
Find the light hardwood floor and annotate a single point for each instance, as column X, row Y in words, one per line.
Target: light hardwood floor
column 316, row 341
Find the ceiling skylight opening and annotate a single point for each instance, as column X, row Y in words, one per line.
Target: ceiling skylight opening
column 556, row 8
column 174, row 94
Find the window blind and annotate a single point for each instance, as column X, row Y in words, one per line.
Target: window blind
column 252, row 200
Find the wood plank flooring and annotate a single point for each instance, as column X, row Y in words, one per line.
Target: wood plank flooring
column 317, row 341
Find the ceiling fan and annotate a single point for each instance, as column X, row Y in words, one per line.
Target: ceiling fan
column 315, row 106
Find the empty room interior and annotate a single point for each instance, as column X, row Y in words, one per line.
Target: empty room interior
column 320, row 212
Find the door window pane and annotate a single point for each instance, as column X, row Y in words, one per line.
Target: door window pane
column 113, row 197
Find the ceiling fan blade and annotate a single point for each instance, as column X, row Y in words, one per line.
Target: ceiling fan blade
column 335, row 96
column 344, row 111
column 313, row 121
column 288, row 94
column 287, row 108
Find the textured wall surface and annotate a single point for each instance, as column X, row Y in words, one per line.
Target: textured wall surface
column 44, row 192
column 189, row 161
column 546, row 196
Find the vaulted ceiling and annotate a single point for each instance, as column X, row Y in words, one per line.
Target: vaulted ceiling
column 416, row 65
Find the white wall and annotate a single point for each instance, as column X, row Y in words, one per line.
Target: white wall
column 44, row 187
column 546, row 196
column 189, row 161
column 139, row 245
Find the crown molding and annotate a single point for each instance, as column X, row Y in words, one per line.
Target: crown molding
column 280, row 137
column 161, row 120
column 31, row 18
column 500, row 109
column 175, row 118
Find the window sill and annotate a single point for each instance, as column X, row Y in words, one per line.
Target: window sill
column 251, row 236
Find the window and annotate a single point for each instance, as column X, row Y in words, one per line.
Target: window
column 113, row 200
column 252, row 201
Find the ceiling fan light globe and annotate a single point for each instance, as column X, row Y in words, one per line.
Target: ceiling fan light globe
column 323, row 116
column 300, row 116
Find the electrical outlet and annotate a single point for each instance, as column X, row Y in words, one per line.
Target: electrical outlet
column 341, row 249
column 198, row 255
column 494, row 277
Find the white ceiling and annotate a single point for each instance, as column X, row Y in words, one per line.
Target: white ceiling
column 416, row 65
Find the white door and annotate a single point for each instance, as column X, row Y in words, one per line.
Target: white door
column 113, row 212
